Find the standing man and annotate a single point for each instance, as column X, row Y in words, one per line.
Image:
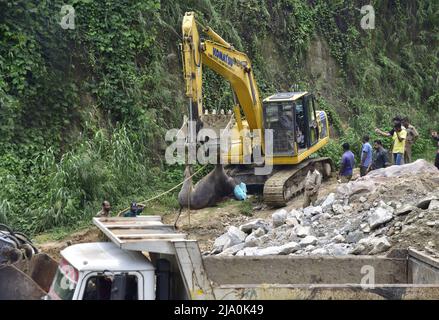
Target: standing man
column 412, row 136
column 435, row 136
column 395, row 121
column 380, row 156
column 106, row 208
column 313, row 181
column 399, row 136
column 366, row 156
column 347, row 164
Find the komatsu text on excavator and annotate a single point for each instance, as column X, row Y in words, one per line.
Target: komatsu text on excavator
column 298, row 129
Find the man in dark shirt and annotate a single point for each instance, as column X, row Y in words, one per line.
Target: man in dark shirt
column 380, row 155
column 366, row 156
column 347, row 164
column 134, row 211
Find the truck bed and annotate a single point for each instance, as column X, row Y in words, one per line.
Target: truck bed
column 403, row 274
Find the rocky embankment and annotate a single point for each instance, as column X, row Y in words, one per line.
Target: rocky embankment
column 395, row 207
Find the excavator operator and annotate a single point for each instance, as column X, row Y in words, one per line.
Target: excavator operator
column 287, row 123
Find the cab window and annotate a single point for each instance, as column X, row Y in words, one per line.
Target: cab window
column 279, row 117
column 301, row 128
column 312, row 121
column 118, row 287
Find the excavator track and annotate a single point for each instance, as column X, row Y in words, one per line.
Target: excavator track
column 287, row 183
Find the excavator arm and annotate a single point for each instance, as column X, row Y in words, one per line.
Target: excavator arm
column 224, row 59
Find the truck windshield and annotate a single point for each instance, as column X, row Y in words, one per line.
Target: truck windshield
column 64, row 283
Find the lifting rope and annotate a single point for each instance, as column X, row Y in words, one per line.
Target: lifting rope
column 165, row 192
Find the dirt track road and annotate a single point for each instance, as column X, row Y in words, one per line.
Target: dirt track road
column 204, row 225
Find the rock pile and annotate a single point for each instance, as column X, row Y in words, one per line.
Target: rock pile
column 395, row 207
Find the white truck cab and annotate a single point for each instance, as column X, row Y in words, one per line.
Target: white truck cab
column 103, row 271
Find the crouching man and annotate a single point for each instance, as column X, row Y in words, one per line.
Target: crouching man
column 313, row 181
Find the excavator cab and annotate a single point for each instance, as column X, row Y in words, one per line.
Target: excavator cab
column 292, row 117
column 279, row 117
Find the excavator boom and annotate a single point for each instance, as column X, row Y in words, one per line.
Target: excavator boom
column 225, row 60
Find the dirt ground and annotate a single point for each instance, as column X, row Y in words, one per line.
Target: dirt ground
column 53, row 248
column 207, row 224
column 204, row 225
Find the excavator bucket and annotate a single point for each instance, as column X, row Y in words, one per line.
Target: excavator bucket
column 27, row 279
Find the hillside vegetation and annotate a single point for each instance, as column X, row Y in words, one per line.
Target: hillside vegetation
column 83, row 112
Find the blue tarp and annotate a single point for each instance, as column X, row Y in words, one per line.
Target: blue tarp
column 240, row 191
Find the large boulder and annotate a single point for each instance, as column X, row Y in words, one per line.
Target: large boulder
column 308, row 240
column 380, row 245
column 236, row 235
column 253, row 225
column 279, row 217
column 291, row 221
column 319, row 251
column 312, row 211
column 434, row 205
column 337, row 208
column 232, row 250
column 365, row 227
column 232, row 237
column 406, row 209
column 359, row 249
column 248, row 251
column 337, row 249
column 274, row 250
column 354, row 236
column 380, row 216
column 425, row 202
column 302, row 231
column 373, row 245
column 258, row 232
column 253, row 239
column 377, row 178
column 289, row 247
column 220, row 243
column 360, row 186
column 327, row 204
column 338, row 239
column 418, row 167
column 295, row 214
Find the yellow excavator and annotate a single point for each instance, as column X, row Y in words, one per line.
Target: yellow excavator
column 295, row 129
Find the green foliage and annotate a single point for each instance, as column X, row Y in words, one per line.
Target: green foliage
column 69, row 190
column 334, row 118
column 332, row 150
column 5, row 210
column 245, row 208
